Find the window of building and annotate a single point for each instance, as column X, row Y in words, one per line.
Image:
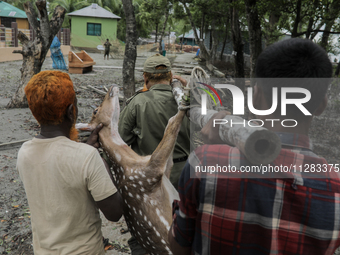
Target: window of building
column 7, row 22
column 94, row 29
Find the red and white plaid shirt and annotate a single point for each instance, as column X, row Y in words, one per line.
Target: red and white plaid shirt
column 289, row 215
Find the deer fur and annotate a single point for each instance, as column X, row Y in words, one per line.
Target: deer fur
column 142, row 181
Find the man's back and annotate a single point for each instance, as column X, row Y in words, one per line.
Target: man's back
column 257, row 216
column 62, row 180
column 143, row 121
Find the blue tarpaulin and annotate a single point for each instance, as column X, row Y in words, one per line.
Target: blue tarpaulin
column 57, row 55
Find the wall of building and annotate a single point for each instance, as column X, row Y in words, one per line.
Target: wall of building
column 6, row 54
column 23, row 24
column 79, row 37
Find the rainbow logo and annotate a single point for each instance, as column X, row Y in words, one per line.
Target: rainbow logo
column 213, row 90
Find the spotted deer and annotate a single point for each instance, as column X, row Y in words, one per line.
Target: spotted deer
column 142, row 180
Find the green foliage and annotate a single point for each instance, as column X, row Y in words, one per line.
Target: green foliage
column 70, row 6
column 277, row 17
column 19, row 3
column 151, row 14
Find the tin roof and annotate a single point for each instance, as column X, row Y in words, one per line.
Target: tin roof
column 94, row 10
column 190, row 34
column 7, row 10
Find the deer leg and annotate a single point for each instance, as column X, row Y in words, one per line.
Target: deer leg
column 169, row 165
column 165, row 148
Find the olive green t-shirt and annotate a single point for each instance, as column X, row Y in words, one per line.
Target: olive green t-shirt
column 143, row 121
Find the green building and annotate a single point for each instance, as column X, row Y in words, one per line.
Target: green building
column 9, row 14
column 91, row 26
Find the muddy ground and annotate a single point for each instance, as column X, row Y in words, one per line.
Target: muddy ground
column 19, row 124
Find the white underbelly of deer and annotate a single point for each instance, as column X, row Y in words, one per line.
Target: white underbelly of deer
column 142, row 181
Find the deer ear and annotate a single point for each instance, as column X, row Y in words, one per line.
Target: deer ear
column 84, row 127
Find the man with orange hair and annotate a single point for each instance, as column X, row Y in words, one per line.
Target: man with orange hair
column 65, row 181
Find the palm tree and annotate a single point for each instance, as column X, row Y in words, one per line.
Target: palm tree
column 114, row 6
column 20, row 3
column 70, row 6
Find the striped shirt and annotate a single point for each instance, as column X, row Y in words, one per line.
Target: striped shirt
column 291, row 214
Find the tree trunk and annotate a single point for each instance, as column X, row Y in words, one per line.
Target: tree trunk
column 130, row 50
column 156, row 32
column 337, row 71
column 202, row 26
column 334, row 13
column 215, row 41
column 163, row 31
column 34, row 52
column 238, row 47
column 309, row 34
column 274, row 17
column 297, row 19
column 225, row 41
column 255, row 35
column 203, row 50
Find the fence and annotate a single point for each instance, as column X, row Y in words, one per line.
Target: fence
column 9, row 36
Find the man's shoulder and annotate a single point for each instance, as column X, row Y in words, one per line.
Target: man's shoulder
column 139, row 97
column 63, row 143
column 158, row 92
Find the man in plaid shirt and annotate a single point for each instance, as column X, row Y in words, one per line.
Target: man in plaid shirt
column 289, row 215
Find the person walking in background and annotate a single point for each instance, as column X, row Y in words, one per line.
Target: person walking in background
column 107, row 45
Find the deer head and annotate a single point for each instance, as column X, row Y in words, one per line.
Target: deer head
column 107, row 113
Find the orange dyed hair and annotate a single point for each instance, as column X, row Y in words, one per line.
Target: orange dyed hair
column 49, row 93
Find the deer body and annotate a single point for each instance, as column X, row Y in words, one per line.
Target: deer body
column 142, row 181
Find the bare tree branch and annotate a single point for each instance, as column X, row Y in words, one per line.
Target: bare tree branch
column 18, row 51
column 44, row 22
column 317, row 28
column 31, row 15
column 317, row 31
column 34, row 52
column 23, row 38
column 57, row 16
column 335, row 33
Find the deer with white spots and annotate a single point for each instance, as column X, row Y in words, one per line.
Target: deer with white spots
column 142, row 181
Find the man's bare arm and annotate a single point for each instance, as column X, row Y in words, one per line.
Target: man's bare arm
column 175, row 247
column 112, row 206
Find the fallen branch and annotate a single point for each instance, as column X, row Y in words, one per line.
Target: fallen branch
column 9, row 145
column 97, row 90
column 121, row 97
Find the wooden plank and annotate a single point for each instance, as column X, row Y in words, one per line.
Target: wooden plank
column 87, row 57
column 85, row 64
column 116, row 67
column 76, row 70
column 10, row 145
column 80, row 55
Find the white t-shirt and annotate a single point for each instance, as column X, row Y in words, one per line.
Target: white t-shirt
column 62, row 180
